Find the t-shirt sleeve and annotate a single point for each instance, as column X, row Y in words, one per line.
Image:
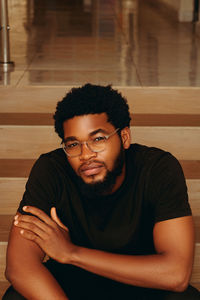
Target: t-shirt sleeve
column 41, row 187
column 168, row 190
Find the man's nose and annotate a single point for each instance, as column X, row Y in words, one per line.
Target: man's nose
column 86, row 153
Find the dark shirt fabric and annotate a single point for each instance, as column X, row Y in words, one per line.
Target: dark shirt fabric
column 154, row 190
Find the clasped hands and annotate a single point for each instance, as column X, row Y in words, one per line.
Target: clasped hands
column 50, row 234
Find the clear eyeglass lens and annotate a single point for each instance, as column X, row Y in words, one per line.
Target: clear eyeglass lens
column 97, row 144
column 73, row 149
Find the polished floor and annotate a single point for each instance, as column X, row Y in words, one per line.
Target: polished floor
column 119, row 42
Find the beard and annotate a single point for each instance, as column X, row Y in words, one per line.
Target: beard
column 103, row 187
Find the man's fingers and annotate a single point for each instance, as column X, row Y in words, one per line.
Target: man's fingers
column 56, row 219
column 31, row 220
column 31, row 236
column 31, row 227
column 38, row 213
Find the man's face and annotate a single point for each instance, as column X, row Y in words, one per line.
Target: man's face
column 93, row 167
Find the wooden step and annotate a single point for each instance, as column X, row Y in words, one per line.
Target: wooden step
column 31, row 141
column 163, row 100
column 191, row 168
column 22, row 167
column 160, row 100
column 196, row 285
column 31, row 99
column 3, row 287
column 182, row 142
column 12, row 189
column 136, row 119
column 193, row 186
column 5, row 225
column 3, row 247
column 197, row 228
column 196, row 267
column 176, row 120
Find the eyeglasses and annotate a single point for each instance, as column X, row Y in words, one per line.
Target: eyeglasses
column 95, row 144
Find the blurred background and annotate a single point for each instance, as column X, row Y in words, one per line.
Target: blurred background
column 123, row 42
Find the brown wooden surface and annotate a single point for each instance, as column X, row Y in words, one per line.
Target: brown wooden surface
column 136, row 119
column 15, row 167
column 165, row 120
column 3, row 287
column 26, row 119
column 5, row 225
column 191, row 168
column 42, row 99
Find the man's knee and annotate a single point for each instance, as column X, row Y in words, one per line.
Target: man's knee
column 11, row 294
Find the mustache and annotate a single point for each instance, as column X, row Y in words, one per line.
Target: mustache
column 91, row 164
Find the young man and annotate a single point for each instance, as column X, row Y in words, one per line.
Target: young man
column 113, row 218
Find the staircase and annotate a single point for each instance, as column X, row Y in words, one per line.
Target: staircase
column 168, row 118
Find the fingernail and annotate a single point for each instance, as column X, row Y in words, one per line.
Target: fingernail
column 16, row 222
column 22, row 231
column 25, row 207
column 16, row 217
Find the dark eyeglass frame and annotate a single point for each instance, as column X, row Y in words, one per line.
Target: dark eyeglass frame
column 106, row 137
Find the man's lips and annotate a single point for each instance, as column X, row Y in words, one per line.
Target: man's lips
column 91, row 169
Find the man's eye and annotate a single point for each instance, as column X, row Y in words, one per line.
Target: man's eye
column 99, row 139
column 72, row 145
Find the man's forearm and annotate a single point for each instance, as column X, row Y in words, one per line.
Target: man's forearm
column 169, row 269
column 151, row 271
column 35, row 282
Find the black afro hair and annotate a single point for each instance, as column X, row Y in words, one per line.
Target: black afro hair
column 92, row 99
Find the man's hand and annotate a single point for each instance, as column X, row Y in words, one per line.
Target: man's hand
column 49, row 233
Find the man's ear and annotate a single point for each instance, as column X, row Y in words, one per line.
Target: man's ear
column 126, row 137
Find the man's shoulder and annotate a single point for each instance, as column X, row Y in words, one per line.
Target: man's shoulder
column 154, row 159
column 52, row 160
column 145, row 154
column 53, row 155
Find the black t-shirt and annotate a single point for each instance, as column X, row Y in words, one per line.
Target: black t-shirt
column 154, row 190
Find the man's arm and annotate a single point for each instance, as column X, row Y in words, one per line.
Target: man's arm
column 26, row 272
column 169, row 269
